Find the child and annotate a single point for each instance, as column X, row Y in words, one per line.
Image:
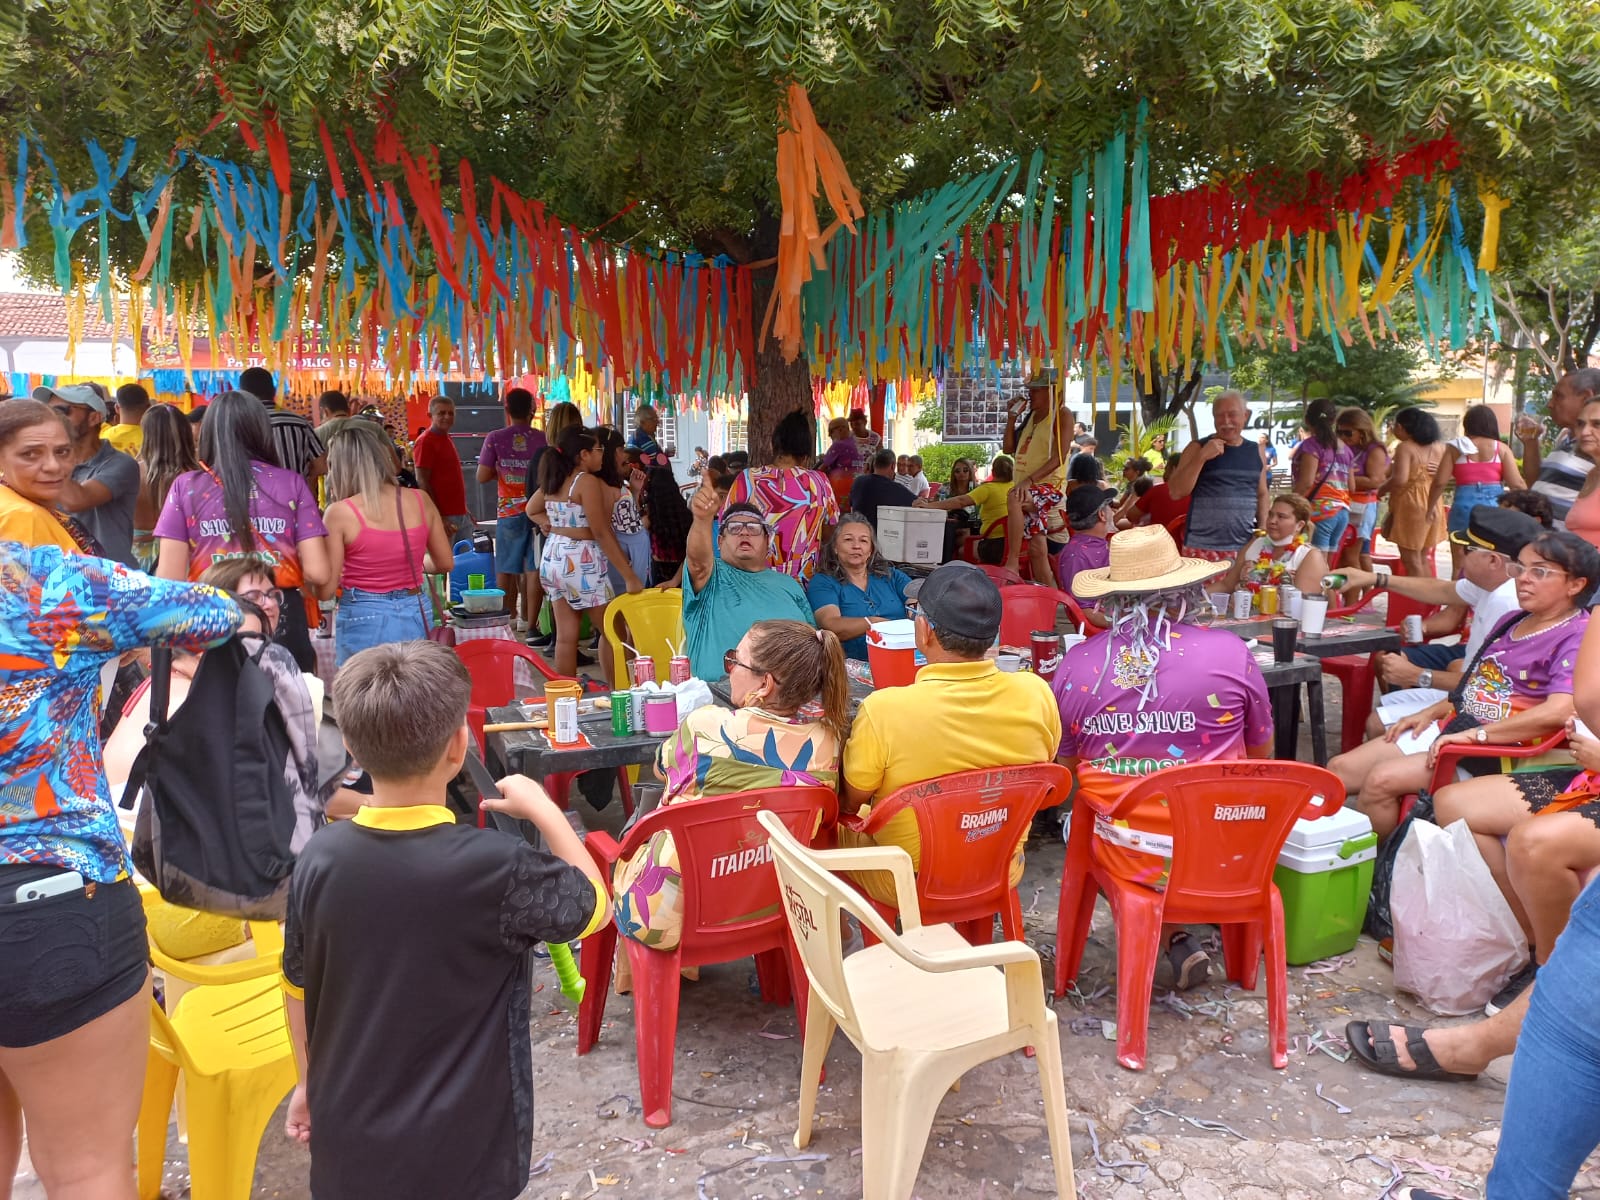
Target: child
column 667, row 514
column 407, row 989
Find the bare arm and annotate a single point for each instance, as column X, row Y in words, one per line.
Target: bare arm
column 1447, row 467
column 439, row 557
column 297, row 1122
column 1532, row 450
column 315, row 568
column 1403, row 460
column 1308, row 578
column 172, row 561
column 591, row 493
column 80, row 497
column 700, row 554
column 949, row 505
column 1531, row 724
column 1181, row 482
column 1305, row 473
column 1236, row 572
column 1378, row 465
column 1263, row 496
column 485, row 474
column 842, row 627
column 338, row 519
column 1508, row 468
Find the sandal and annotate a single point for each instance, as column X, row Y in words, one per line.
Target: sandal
column 1378, row 1054
column 1191, row 965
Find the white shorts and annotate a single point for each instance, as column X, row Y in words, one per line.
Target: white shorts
column 1395, row 705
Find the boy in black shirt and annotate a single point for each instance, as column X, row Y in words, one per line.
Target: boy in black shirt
column 407, row 992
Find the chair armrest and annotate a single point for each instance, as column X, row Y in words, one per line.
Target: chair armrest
column 997, row 954
column 603, row 848
column 880, row 858
column 207, row 974
column 1359, row 605
column 1445, row 765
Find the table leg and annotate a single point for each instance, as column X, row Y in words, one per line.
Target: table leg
column 1319, row 727
column 1285, row 721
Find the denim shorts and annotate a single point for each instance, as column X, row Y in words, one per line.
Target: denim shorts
column 68, row 959
column 1325, row 534
column 1468, row 497
column 516, row 546
column 366, row 619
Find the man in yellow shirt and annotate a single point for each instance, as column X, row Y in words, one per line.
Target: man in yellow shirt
column 962, row 714
column 127, row 434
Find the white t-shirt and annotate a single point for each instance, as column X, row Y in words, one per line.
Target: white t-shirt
column 1489, row 608
column 916, row 484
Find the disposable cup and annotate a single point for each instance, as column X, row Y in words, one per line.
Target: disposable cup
column 1313, row 614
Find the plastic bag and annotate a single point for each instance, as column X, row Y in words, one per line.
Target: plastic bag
column 1456, row 942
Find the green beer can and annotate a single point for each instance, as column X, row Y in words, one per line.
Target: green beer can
column 622, row 713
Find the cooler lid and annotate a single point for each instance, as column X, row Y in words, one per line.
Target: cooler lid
column 1329, row 833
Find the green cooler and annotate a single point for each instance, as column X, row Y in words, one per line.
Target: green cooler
column 1325, row 875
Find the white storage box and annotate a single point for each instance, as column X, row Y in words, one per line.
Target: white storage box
column 911, row 535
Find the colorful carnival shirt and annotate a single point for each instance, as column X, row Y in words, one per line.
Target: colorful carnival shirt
column 509, row 451
column 716, row 752
column 62, row 617
column 1335, row 468
column 1209, row 703
column 799, row 506
column 1512, row 675
column 283, row 513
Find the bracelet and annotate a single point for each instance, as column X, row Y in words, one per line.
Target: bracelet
column 1383, row 573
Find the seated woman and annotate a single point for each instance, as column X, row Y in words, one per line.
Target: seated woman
column 775, row 737
column 1283, row 554
column 855, row 587
column 1517, row 689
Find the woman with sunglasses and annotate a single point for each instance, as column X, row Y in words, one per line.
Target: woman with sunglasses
column 1517, row 689
column 792, row 694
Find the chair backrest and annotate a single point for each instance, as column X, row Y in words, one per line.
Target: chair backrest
column 1230, row 821
column 970, row 823
column 1026, row 607
column 1000, row 575
column 655, row 626
column 812, row 898
column 491, row 663
column 1178, row 526
column 730, row 897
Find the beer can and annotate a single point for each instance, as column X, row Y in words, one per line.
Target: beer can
column 678, row 668
column 1333, row 582
column 1241, row 604
column 1267, row 601
column 564, row 721
column 1411, row 629
column 622, row 713
column 1046, row 653
column 1289, row 600
column 636, row 710
column 644, row 670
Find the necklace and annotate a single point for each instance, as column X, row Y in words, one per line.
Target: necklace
column 1519, row 634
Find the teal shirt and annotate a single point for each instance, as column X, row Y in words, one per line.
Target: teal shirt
column 717, row 616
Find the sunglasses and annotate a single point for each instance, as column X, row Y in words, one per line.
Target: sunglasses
column 730, row 660
column 1346, row 433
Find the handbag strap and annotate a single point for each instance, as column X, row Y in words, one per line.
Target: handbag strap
column 411, row 566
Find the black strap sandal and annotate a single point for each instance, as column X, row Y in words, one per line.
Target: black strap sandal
column 1378, row 1054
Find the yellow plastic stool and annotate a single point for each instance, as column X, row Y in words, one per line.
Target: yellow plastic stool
column 655, row 626
column 231, row 1044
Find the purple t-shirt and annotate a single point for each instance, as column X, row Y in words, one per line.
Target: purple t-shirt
column 1082, row 553
column 508, row 451
column 1210, row 702
column 842, row 456
column 1335, row 466
column 1512, row 676
column 282, row 512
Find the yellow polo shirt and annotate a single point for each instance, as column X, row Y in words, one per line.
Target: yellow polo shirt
column 956, row 717
column 991, row 501
column 21, row 520
column 127, row 438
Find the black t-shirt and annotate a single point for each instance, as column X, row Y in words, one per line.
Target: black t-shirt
column 407, row 934
column 871, row 492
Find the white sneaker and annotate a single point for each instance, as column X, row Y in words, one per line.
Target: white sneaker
column 519, row 626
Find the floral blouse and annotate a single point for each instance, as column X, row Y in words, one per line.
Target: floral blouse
column 717, row 751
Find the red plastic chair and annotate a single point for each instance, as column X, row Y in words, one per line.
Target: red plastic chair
column 492, row 664
column 970, row 823
column 1221, row 873
column 1001, row 576
column 1358, row 673
column 1178, row 527
column 1025, row 608
column 1444, row 767
column 731, row 910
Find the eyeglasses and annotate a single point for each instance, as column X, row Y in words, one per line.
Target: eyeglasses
column 1346, row 433
column 1538, row 572
column 730, row 660
column 754, row 528
column 258, row 597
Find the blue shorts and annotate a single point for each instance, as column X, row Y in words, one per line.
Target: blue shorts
column 516, row 546
column 1468, row 497
column 365, row 619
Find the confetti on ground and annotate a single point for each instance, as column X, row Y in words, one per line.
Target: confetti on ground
column 1105, row 1167
column 760, row 1159
column 1197, row 1122
column 1337, row 1107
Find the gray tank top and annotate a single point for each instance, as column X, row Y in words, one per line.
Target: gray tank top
column 1222, row 515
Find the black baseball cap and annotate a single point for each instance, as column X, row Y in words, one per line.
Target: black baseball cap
column 1503, row 530
column 1087, row 500
column 960, row 599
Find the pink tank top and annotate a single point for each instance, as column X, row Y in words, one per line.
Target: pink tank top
column 1467, row 471
column 376, row 560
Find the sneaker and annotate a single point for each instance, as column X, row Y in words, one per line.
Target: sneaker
column 1514, row 987
column 541, row 641
column 1191, row 965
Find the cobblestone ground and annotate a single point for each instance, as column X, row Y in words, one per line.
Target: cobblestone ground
column 1209, row 1117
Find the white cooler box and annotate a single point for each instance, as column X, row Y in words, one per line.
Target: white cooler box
column 911, row 535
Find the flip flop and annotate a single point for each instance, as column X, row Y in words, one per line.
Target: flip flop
column 1191, row 966
column 1378, row 1054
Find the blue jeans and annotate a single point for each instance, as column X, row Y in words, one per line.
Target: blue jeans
column 1325, row 535
column 1552, row 1116
column 1468, row 497
column 366, row 619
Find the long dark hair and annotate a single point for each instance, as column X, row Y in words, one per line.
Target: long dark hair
column 557, row 464
column 166, row 449
column 1321, row 416
column 235, row 434
column 610, row 442
column 668, row 513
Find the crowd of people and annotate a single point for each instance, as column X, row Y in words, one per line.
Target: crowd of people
column 250, row 521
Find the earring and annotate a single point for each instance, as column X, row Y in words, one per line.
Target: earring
column 753, row 698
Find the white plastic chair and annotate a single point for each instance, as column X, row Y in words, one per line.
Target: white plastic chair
column 923, row 1007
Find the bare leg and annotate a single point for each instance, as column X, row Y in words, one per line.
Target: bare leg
column 1548, row 860
column 81, row 1138
column 1354, row 767
column 568, row 622
column 1375, row 727
column 10, row 1137
column 1386, row 784
column 532, row 598
column 1039, row 560
column 1413, row 562
column 511, row 585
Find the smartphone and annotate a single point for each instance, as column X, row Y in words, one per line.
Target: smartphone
column 50, row 885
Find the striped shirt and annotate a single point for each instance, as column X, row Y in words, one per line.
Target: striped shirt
column 1561, row 474
column 296, row 440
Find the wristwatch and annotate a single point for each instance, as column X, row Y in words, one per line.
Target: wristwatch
column 1425, row 679
column 1483, row 735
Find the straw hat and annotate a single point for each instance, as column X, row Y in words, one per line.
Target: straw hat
column 1144, row 559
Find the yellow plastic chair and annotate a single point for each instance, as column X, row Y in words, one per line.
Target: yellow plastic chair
column 231, row 1044
column 257, row 958
column 923, row 1007
column 655, row 625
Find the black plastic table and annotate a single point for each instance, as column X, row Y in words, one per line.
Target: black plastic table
column 528, row 752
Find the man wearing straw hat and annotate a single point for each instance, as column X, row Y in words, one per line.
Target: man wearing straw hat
column 1155, row 692
column 1040, row 444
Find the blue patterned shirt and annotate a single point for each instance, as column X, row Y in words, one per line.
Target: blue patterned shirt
column 62, row 617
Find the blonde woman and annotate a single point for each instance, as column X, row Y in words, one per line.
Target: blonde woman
column 381, row 540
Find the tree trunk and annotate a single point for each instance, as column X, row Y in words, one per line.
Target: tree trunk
column 778, row 387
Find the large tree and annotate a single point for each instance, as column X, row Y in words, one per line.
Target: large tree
column 670, row 107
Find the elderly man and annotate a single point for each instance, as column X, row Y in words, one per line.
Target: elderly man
column 439, row 470
column 962, row 713
column 723, row 597
column 1091, row 513
column 1036, row 434
column 643, row 438
column 1227, row 478
column 105, row 482
column 1560, row 476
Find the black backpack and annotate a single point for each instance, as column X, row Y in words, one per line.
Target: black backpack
column 217, row 813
